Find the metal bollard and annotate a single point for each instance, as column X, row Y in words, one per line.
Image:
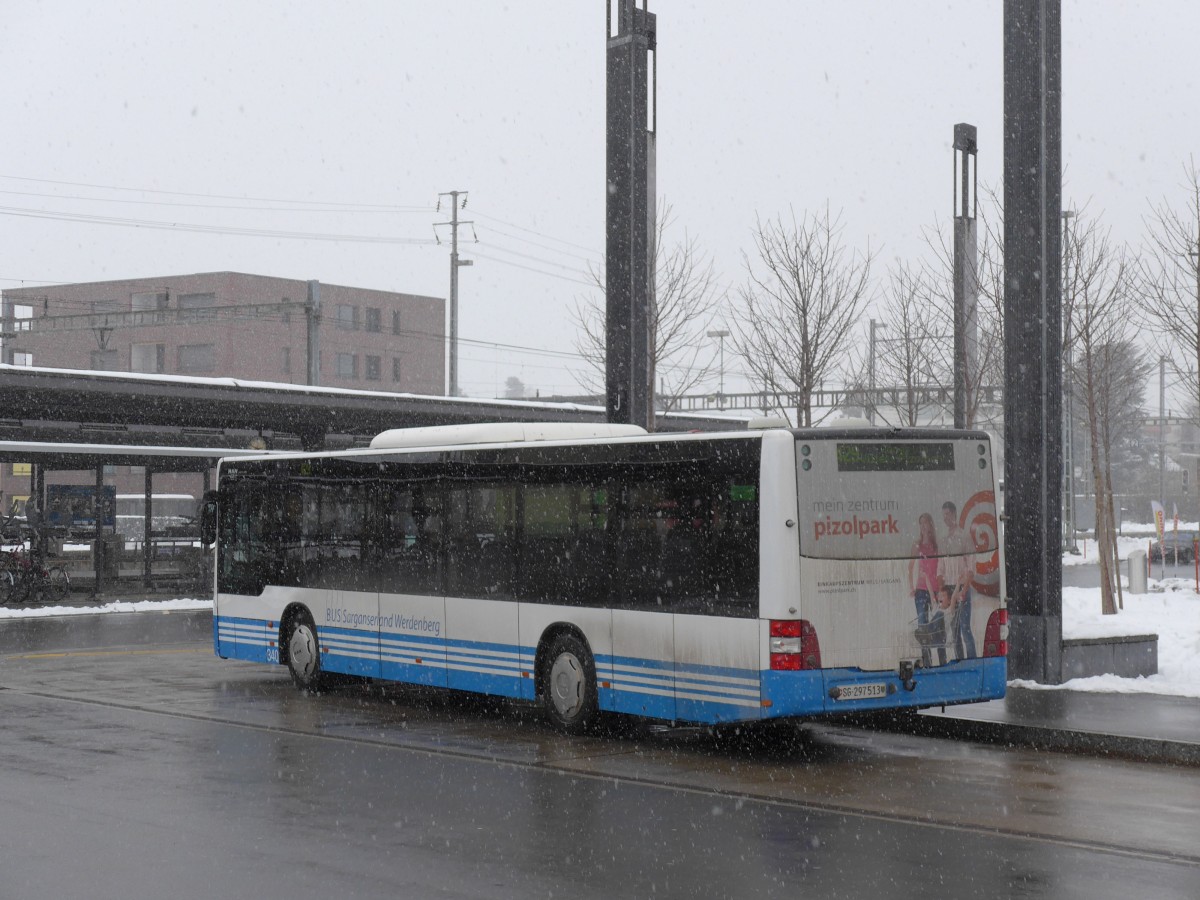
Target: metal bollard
column 1137, row 572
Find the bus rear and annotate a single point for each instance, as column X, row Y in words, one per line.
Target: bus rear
column 901, row 578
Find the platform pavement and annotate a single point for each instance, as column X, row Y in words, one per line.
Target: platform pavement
column 1152, row 727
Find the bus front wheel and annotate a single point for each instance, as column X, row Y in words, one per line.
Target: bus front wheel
column 569, row 684
column 304, row 653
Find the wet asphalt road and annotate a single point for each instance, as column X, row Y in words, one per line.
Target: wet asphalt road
column 133, row 764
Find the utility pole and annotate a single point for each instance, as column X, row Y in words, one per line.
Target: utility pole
column 312, row 319
column 455, row 262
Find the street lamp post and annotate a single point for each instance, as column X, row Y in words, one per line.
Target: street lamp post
column 870, row 404
column 1072, row 545
column 720, row 334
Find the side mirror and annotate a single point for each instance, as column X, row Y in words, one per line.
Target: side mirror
column 208, row 518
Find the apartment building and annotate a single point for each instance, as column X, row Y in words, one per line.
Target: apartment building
column 232, row 325
column 222, row 324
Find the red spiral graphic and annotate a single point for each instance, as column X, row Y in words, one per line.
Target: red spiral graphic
column 978, row 520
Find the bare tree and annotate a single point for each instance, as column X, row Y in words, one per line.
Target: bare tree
column 804, row 295
column 1108, row 374
column 913, row 355
column 1170, row 281
column 687, row 298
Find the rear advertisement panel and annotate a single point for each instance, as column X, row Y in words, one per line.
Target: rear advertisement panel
column 899, row 545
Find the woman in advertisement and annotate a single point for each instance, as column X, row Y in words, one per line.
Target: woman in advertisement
column 923, row 584
column 957, row 568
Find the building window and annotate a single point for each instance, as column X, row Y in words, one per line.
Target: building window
column 395, row 321
column 347, row 365
column 395, row 368
column 106, row 306
column 197, row 359
column 146, row 358
column 347, row 317
column 373, row 319
column 287, row 360
column 104, row 360
column 21, row 358
column 197, row 307
column 372, row 368
column 149, row 302
column 22, row 317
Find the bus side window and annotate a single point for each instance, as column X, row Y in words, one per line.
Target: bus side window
column 208, row 518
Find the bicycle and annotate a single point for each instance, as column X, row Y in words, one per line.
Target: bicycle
column 30, row 583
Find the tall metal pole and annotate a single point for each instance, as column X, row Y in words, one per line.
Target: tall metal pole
column 455, row 262
column 1033, row 336
column 870, row 404
column 629, row 210
column 966, row 278
column 720, row 334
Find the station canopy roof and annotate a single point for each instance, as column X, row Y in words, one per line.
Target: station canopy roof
column 85, row 408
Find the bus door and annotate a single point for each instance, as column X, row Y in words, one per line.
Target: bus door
column 483, row 650
column 334, row 556
column 643, row 669
column 412, row 604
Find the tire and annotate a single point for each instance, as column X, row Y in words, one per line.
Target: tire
column 569, row 685
column 304, row 653
column 21, row 589
column 57, row 586
column 7, row 586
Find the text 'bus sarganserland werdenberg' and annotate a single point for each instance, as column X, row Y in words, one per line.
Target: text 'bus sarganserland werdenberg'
column 705, row 578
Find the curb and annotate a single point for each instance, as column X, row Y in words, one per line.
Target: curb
column 1038, row 737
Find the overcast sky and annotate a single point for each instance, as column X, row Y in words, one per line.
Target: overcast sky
column 349, row 118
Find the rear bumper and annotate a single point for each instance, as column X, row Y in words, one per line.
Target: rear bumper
column 817, row 693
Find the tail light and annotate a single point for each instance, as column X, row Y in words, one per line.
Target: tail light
column 995, row 638
column 794, row 645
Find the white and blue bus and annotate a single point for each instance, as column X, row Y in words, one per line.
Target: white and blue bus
column 684, row 577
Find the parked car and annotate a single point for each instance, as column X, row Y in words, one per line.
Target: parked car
column 1184, row 543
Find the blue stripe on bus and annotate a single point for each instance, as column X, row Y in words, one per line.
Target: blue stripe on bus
column 644, row 687
column 661, row 689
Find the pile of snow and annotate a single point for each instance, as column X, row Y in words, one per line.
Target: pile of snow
column 1171, row 610
column 116, row 606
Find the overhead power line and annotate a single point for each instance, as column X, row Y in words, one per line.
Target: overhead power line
column 319, row 208
column 207, row 229
column 109, row 187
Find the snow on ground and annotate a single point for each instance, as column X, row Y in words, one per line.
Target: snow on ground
column 124, row 606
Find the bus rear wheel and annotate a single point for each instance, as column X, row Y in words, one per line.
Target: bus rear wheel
column 304, row 653
column 569, row 684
